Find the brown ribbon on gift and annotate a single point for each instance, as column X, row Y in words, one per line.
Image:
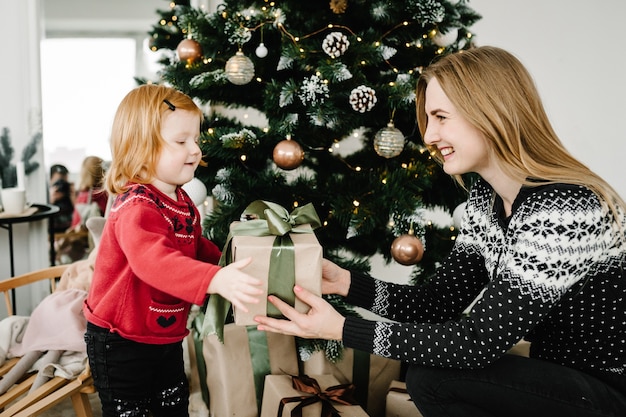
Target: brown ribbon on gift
column 341, row 394
column 400, row 390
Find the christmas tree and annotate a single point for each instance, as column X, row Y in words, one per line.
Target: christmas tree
column 324, row 93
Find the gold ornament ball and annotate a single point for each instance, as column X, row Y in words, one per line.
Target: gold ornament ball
column 239, row 69
column 389, row 141
column 407, row 249
column 288, row 154
column 189, row 50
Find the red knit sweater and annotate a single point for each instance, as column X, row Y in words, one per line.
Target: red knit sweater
column 152, row 264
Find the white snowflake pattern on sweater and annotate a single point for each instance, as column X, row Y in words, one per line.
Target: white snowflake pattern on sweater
column 553, row 276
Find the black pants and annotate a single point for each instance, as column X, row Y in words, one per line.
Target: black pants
column 135, row 379
column 513, row 386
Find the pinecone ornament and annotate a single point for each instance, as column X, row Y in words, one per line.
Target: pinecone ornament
column 363, row 98
column 335, row 44
column 338, row 6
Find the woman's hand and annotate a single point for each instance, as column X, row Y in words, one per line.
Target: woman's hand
column 321, row 322
column 335, row 280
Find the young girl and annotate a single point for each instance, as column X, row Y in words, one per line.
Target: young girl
column 153, row 262
column 540, row 256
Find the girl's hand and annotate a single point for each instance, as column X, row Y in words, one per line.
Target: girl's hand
column 335, row 280
column 321, row 322
column 236, row 286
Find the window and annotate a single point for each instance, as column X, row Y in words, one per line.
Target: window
column 83, row 81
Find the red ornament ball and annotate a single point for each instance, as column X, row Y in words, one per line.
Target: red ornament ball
column 189, row 50
column 288, row 154
column 407, row 249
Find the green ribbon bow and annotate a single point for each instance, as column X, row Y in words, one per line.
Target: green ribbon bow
column 267, row 219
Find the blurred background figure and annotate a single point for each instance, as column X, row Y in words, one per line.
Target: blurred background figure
column 91, row 199
column 74, row 242
column 61, row 194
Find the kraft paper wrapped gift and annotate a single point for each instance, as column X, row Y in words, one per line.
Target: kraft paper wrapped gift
column 279, row 389
column 232, row 382
column 284, row 252
column 398, row 402
column 379, row 372
column 306, row 272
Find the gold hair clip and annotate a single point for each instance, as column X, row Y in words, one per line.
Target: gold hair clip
column 170, row 105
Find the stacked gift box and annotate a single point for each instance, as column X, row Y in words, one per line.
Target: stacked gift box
column 398, row 403
column 251, row 373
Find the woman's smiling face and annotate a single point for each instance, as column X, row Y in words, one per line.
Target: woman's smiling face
column 462, row 146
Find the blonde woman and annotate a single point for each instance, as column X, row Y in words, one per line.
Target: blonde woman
column 539, row 256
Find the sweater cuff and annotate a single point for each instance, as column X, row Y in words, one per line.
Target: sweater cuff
column 362, row 290
column 358, row 333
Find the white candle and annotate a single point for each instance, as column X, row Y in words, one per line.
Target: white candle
column 21, row 175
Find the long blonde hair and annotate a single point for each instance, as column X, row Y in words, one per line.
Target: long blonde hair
column 495, row 93
column 136, row 140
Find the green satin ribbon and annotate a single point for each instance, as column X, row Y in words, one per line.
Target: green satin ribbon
column 260, row 359
column 268, row 219
column 282, row 261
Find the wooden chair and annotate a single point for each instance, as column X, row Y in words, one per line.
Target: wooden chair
column 17, row 401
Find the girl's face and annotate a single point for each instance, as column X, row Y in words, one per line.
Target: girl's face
column 180, row 154
column 462, row 146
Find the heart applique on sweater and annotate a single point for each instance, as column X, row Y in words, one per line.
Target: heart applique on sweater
column 166, row 322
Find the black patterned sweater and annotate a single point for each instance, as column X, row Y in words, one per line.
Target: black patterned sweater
column 551, row 273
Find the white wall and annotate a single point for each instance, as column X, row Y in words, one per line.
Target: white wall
column 574, row 50
column 20, row 111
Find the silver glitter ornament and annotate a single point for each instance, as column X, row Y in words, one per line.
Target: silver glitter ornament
column 389, row 141
column 239, row 69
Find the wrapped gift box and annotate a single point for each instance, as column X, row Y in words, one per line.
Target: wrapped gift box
column 280, row 387
column 307, row 273
column 231, row 380
column 380, row 374
column 398, row 403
